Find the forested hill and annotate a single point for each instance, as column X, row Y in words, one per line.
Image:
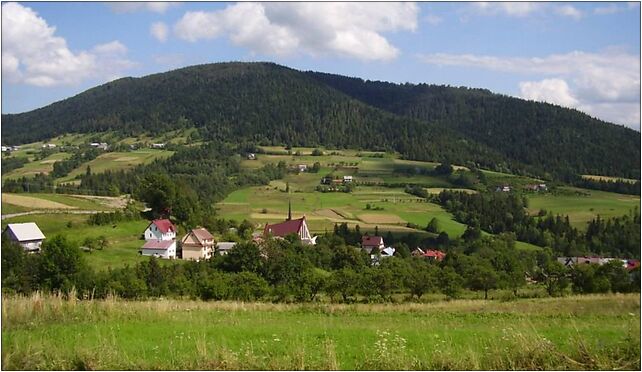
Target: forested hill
column 556, row 138
column 271, row 104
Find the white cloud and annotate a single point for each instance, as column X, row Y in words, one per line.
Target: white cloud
column 136, row 6
column 592, row 82
column 513, row 9
column 548, row 90
column 160, row 31
column 569, row 11
column 33, row 54
column 345, row 29
column 433, row 20
column 609, row 9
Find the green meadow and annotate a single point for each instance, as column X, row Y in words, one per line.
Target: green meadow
column 583, row 205
column 593, row 332
column 124, row 237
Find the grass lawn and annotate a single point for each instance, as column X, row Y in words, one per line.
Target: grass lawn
column 578, row 332
column 583, row 206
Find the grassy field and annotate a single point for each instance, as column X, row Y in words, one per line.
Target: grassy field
column 116, row 161
column 37, row 166
column 587, row 332
column 27, row 202
column 583, row 205
column 124, row 237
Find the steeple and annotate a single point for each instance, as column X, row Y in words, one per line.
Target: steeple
column 289, row 210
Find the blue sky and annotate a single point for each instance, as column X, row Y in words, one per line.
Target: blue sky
column 581, row 55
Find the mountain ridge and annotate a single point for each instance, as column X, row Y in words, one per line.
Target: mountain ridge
column 273, row 104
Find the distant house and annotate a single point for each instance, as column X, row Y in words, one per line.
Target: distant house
column 536, row 187
column 101, row 145
column 503, row 188
column 326, row 180
column 283, row 229
column 302, row 167
column 388, row 252
column 160, row 230
column 49, row 146
column 159, row 248
column 27, row 234
column 585, row 260
column 158, row 145
column 368, row 243
column 5, row 148
column 435, row 255
column 347, row 179
column 251, row 156
column 15, row 148
column 223, row 247
column 197, row 245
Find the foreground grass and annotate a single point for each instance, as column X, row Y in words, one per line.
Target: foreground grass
column 580, row 332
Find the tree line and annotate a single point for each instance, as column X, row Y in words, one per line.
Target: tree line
column 506, row 212
column 287, row 271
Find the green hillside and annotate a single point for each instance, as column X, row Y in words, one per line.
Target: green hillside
column 274, row 105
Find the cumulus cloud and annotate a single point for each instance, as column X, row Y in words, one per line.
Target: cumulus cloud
column 593, row 82
column 159, row 30
column 345, row 29
column 548, row 90
column 137, row 6
column 33, row 54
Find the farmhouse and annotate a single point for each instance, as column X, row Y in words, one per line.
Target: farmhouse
column 251, row 156
column 160, row 230
column 27, row 234
column 159, row 248
column 99, row 145
column 434, row 255
column 347, row 179
column 5, row 149
column 302, row 167
column 596, row 260
column 368, row 243
column 503, row 188
column 158, row 145
column 49, row 146
column 298, row 227
column 197, row 245
column 223, row 247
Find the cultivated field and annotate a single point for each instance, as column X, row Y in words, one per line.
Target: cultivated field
column 579, row 332
column 606, row 178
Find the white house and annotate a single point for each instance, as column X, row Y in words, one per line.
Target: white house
column 49, row 145
column 368, row 243
column 347, row 179
column 28, row 235
column 5, row 148
column 159, row 248
column 302, row 167
column 160, row 230
column 158, row 145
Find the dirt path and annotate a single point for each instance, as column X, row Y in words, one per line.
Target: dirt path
column 6, row 216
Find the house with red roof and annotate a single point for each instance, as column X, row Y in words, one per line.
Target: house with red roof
column 368, row 243
column 283, row 229
column 159, row 248
column 160, row 230
column 197, row 245
column 435, row 254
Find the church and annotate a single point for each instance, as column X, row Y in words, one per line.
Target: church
column 290, row 226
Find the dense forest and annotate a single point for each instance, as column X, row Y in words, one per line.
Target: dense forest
column 270, row 104
column 545, row 137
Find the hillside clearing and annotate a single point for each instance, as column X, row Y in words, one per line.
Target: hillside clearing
column 33, row 202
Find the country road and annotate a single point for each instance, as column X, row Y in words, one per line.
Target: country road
column 5, row 216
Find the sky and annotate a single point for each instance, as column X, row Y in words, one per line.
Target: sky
column 583, row 55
